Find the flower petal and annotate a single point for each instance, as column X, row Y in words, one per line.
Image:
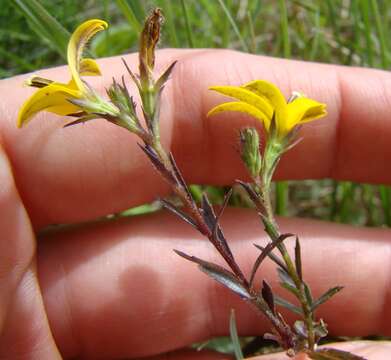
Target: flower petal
column 242, row 107
column 76, row 45
column 303, row 110
column 246, row 96
column 53, row 98
column 89, row 67
column 273, row 95
column 267, row 91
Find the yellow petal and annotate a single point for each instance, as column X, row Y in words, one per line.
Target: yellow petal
column 302, row 110
column 245, row 96
column 273, row 95
column 268, row 91
column 76, row 45
column 89, row 67
column 53, row 98
column 242, row 107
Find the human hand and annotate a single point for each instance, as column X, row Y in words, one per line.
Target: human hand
column 115, row 289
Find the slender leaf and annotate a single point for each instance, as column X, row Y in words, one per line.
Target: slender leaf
column 179, row 177
column 326, row 296
column 287, row 282
column 164, row 77
column 286, row 304
column 210, row 219
column 273, row 257
column 234, row 336
column 267, row 295
column 298, row 259
column 308, row 294
column 219, row 274
column 157, row 163
column 167, row 205
column 266, row 252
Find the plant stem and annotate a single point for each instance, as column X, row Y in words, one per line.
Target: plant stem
column 272, row 230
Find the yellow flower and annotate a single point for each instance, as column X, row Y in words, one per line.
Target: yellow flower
column 54, row 96
column 263, row 100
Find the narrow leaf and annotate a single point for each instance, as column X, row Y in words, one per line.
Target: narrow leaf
column 286, row 304
column 132, row 75
column 298, row 259
column 287, row 282
column 171, row 207
column 267, row 295
column 180, row 178
column 234, row 336
column 272, row 257
column 266, row 252
column 211, row 220
column 222, row 209
column 333, row 354
column 82, row 119
column 285, row 277
column 326, row 296
column 164, row 77
column 219, row 274
column 252, row 194
column 308, row 294
column 157, row 163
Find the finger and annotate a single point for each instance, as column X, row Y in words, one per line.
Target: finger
column 97, row 168
column 24, row 330
column 109, row 289
column 372, row 350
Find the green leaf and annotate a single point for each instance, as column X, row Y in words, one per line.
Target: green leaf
column 45, row 25
column 286, row 304
column 234, row 336
column 308, row 294
column 298, row 259
column 326, row 296
column 333, row 354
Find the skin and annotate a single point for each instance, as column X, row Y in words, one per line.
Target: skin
column 115, row 289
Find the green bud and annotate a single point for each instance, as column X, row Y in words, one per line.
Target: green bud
column 251, row 155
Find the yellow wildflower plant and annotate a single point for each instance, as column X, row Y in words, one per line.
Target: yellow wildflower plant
column 54, row 96
column 263, row 100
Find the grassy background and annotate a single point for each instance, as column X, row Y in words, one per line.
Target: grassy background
column 33, row 34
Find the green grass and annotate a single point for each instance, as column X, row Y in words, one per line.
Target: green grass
column 331, row 31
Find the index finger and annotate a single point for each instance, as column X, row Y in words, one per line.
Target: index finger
column 97, row 168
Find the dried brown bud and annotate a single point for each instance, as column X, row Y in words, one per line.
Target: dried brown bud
column 148, row 40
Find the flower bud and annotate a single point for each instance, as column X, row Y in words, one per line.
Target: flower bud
column 148, row 41
column 251, row 156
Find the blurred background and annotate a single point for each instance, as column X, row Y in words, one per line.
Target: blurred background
column 34, row 34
